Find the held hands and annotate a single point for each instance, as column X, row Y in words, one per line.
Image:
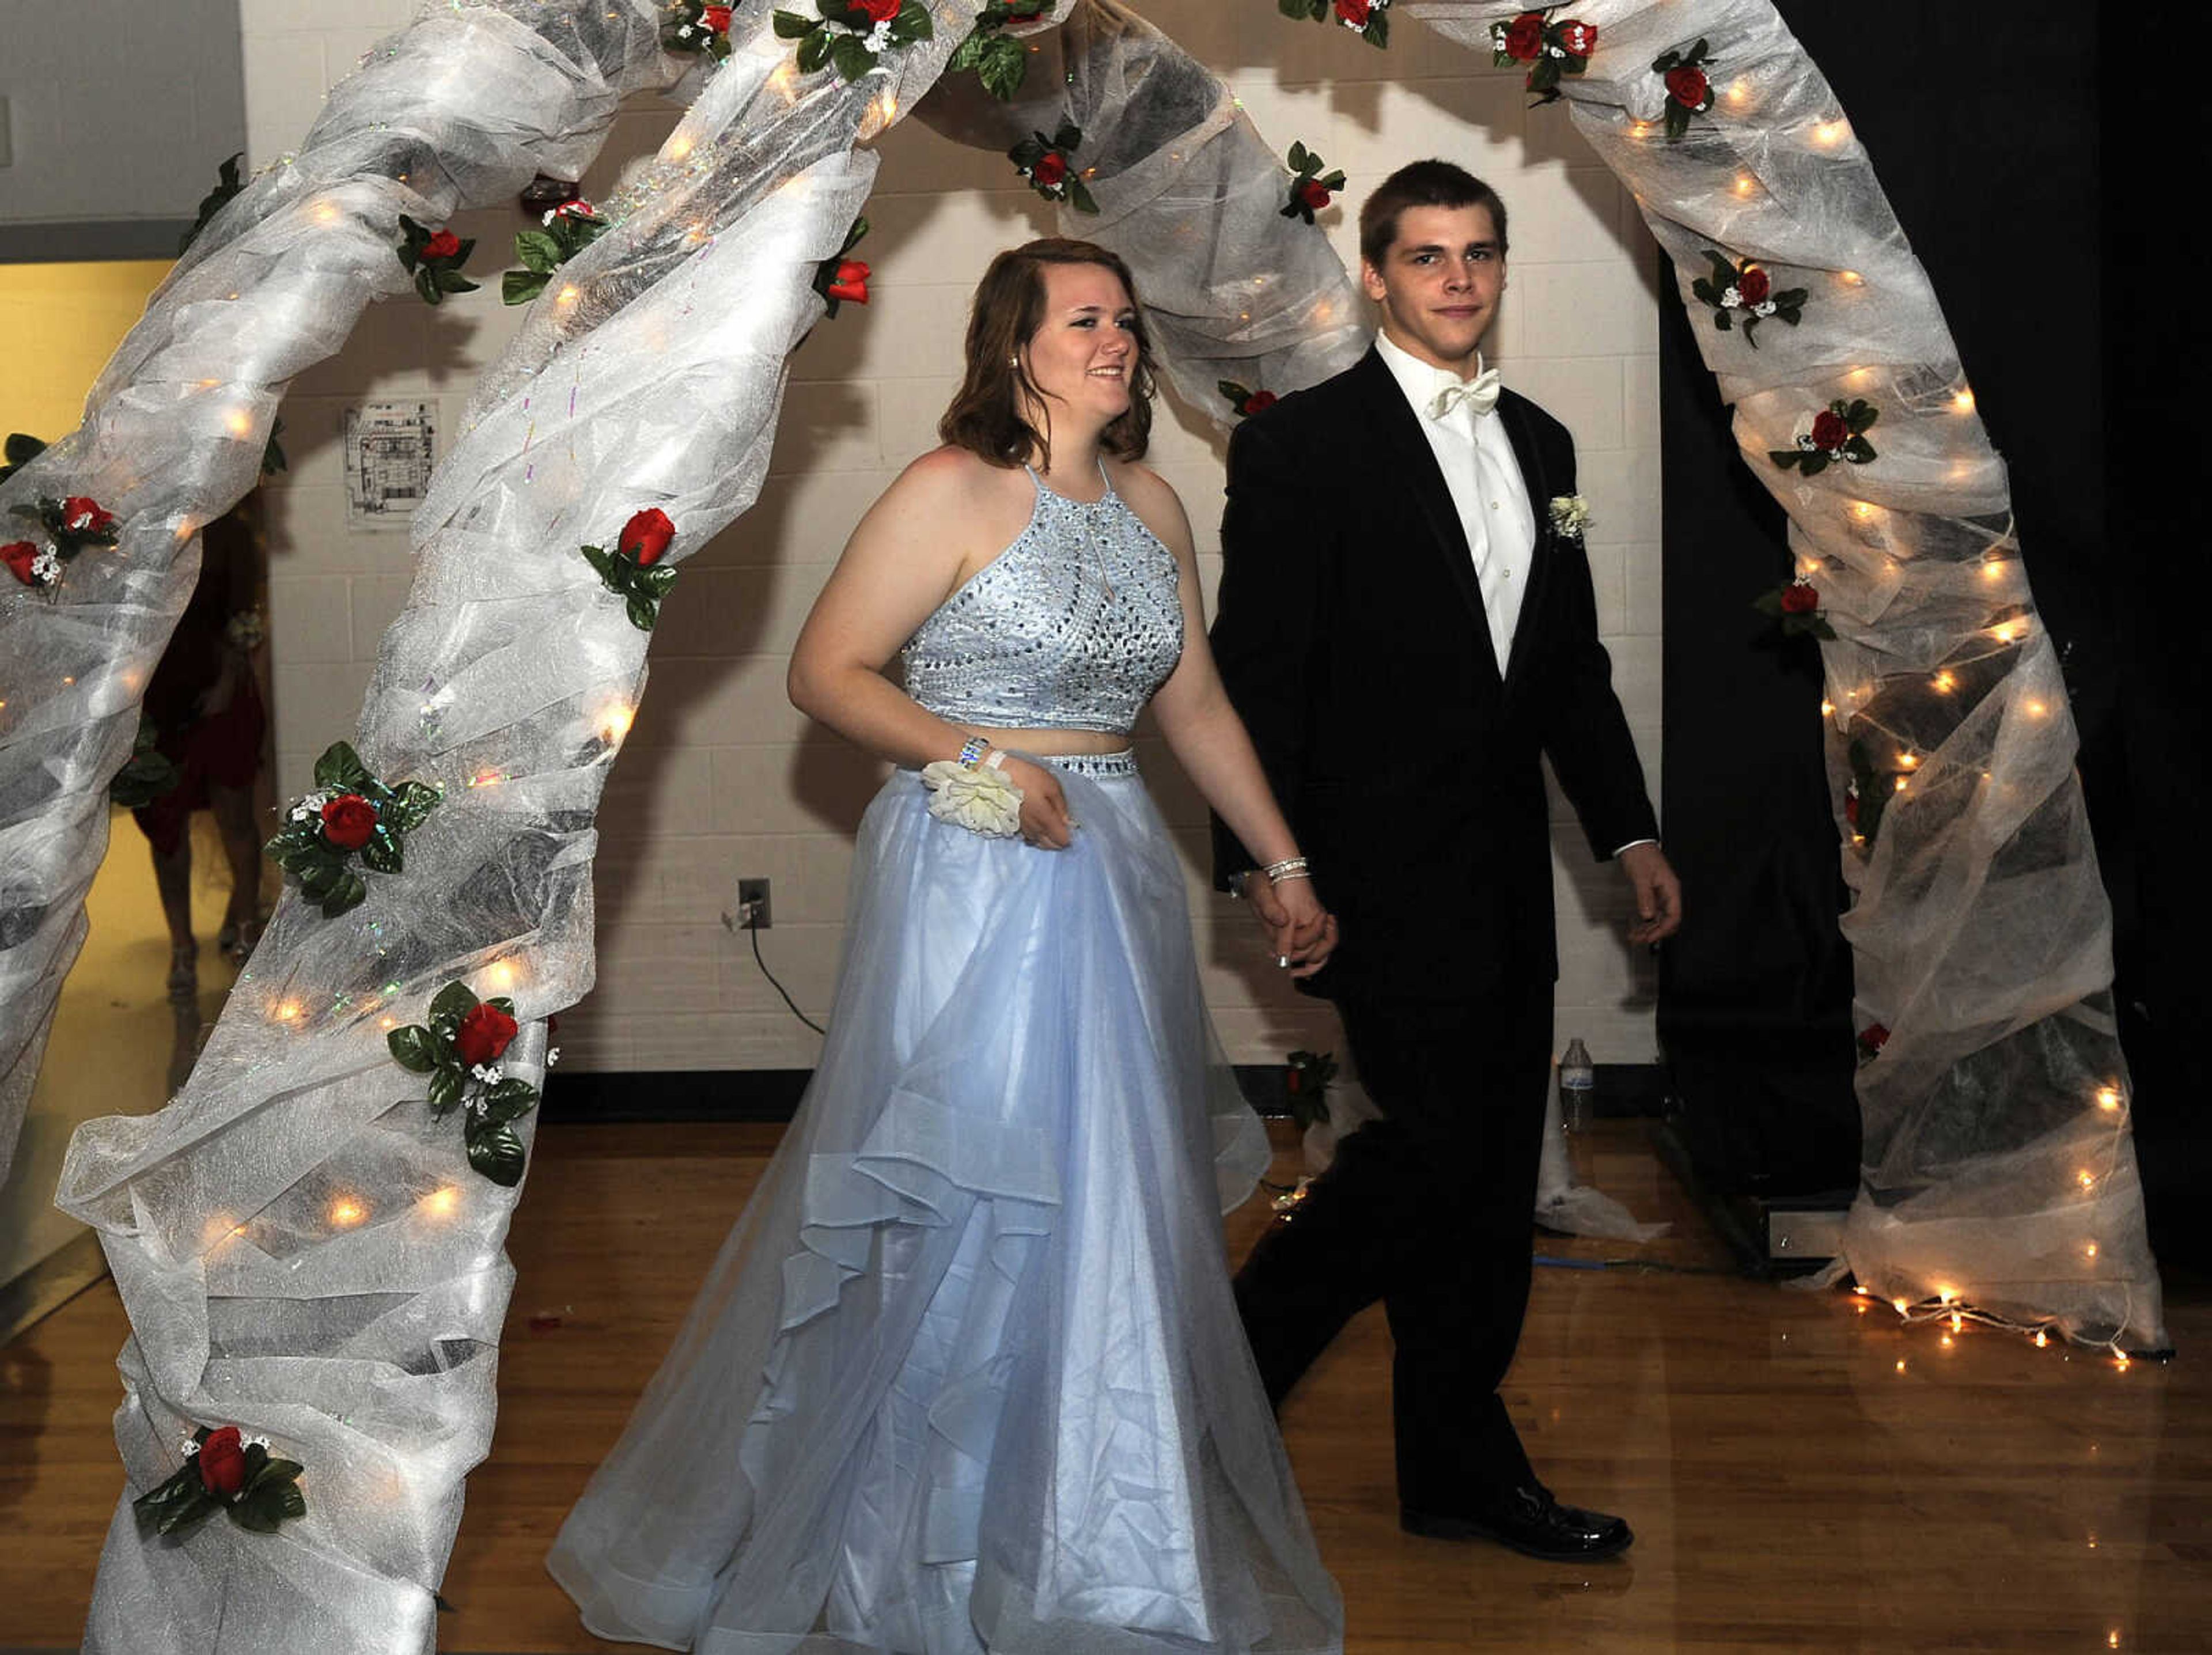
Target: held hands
column 1298, row 929
column 1658, row 893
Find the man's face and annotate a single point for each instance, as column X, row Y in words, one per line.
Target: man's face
column 1439, row 282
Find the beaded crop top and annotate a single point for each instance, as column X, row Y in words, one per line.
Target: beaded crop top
column 1073, row 627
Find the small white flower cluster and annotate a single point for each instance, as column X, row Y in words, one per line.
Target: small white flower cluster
column 490, row 1073
column 46, row 567
column 1571, row 515
column 1732, row 299
column 83, row 519
column 552, row 1055
column 879, row 39
column 1360, row 28
column 309, row 807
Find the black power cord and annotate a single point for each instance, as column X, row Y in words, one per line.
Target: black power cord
column 754, row 932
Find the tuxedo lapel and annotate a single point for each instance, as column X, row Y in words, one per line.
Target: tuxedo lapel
column 1531, row 459
column 1413, row 467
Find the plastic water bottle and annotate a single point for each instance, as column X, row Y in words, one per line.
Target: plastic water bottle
column 1577, row 1088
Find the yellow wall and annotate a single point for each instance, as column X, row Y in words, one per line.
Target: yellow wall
column 58, row 326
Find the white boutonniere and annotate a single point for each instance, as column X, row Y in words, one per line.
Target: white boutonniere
column 1571, row 516
column 978, row 797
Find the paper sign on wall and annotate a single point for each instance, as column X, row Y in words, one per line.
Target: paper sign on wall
column 390, row 448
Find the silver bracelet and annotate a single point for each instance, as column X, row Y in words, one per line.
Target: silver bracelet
column 1291, row 868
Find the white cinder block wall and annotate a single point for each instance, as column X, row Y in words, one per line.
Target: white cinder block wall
column 721, row 778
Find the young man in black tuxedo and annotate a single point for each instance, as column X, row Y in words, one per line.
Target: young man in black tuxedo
column 1405, row 622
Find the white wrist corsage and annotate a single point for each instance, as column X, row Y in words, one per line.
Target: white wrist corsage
column 980, row 798
column 1571, row 515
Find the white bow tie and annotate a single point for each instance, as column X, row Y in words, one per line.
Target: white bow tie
column 1479, row 394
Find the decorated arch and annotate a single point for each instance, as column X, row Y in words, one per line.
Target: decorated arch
column 389, row 1036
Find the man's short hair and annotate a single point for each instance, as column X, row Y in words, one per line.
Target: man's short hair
column 1422, row 183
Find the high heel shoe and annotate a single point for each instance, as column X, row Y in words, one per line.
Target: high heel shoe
column 243, row 936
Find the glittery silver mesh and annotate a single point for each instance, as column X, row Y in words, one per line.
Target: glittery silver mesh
column 1071, row 628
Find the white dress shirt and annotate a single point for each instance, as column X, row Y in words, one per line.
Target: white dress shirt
column 1487, row 489
column 1484, row 475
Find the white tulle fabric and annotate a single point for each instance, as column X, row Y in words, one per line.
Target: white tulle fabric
column 1981, row 935
column 967, row 1374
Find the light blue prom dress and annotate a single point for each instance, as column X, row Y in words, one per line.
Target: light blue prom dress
column 967, row 1375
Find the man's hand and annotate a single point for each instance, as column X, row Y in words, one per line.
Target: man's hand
column 1658, row 893
column 1300, row 933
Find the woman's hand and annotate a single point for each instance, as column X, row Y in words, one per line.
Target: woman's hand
column 1046, row 823
column 1299, row 929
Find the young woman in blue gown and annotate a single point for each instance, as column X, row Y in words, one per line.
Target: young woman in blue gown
column 968, row 1375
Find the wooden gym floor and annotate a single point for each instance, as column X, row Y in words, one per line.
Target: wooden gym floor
column 1801, row 1476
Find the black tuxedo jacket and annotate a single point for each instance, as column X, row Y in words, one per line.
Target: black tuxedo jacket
column 1350, row 635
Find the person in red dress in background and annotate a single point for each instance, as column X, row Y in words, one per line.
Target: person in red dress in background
column 204, row 707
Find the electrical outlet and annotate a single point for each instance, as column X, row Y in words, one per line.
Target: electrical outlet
column 752, row 910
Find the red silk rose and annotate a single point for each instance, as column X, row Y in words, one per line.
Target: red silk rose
column 483, row 1034
column 1313, row 194
column 223, row 1463
column 1051, row 169
column 1800, row 599
column 444, row 245
column 1257, row 401
column 851, row 284
column 348, row 821
column 1524, row 36
column 646, row 536
column 1830, row 430
column 19, row 557
column 716, row 18
column 1579, row 38
column 82, row 513
column 880, row 11
column 1688, row 87
column 1851, row 805
column 1753, row 285
column 1354, row 12
column 1875, row 1037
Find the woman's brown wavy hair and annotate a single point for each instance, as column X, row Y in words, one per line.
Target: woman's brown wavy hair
column 987, row 415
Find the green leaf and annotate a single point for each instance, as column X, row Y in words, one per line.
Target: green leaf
column 340, row 767
column 496, row 1152
column 319, row 877
column 1297, row 8
column 1297, row 156
column 655, row 582
column 1665, row 61
column 1334, row 180
column 452, row 281
column 1377, row 32
column 851, row 57
column 1545, row 75
column 1858, row 451
column 1751, row 332
column 600, row 560
column 1814, row 463
column 414, row 1048
column 1862, row 415
column 1236, row 392
column 1028, row 151
column 1722, row 320
column 790, row 26
column 448, row 1081
column 814, row 51
column 1068, row 136
column 969, row 53
column 1787, row 459
column 382, row 853
column 426, row 283
column 538, row 251
column 412, row 801
column 454, row 1002
column 350, row 892
column 1678, row 121
column 642, row 610
column 502, row 1002
column 912, row 24
column 1006, row 65
column 1079, row 198
column 509, row 1100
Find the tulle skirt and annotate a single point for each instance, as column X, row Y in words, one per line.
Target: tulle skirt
column 967, row 1375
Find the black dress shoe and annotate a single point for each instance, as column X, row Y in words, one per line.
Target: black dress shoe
column 1532, row 1523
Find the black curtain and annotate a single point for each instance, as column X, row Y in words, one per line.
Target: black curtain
column 2030, row 184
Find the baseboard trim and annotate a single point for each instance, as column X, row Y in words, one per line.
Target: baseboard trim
column 666, row 1095
column 51, row 1283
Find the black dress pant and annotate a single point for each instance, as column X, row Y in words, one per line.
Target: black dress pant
column 1430, row 1210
